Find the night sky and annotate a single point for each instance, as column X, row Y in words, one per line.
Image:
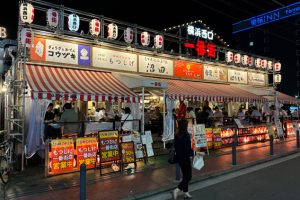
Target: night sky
column 218, row 14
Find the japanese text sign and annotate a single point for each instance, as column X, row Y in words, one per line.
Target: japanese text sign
column 235, row 76
column 155, row 65
column 127, row 149
column 60, row 52
column 256, row 78
column 116, row 60
column 62, row 155
column 109, row 146
column 86, row 151
column 202, row 49
column 199, row 135
column 188, row 70
column 215, row 73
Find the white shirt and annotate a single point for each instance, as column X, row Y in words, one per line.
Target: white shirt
column 127, row 124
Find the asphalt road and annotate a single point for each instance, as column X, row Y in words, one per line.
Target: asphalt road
column 277, row 182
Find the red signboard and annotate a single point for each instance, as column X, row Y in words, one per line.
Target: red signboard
column 203, row 49
column 86, row 151
column 188, row 70
column 109, row 146
column 61, row 156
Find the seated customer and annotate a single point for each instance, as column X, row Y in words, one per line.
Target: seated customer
column 69, row 115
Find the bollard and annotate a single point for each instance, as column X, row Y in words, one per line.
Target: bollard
column 297, row 138
column 82, row 182
column 271, row 144
column 234, row 142
column 177, row 178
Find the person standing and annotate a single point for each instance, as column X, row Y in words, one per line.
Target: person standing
column 126, row 120
column 182, row 110
column 69, row 120
column 184, row 155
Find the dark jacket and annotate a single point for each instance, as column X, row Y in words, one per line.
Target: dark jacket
column 183, row 148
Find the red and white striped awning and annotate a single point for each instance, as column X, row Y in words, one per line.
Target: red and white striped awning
column 55, row 83
column 200, row 91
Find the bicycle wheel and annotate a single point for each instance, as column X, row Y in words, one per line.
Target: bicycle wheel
column 4, row 169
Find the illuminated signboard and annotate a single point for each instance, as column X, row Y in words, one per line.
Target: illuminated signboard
column 3, row 33
column 200, row 32
column 209, row 50
column 281, row 13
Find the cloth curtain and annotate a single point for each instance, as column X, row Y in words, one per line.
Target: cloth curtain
column 169, row 121
column 35, row 136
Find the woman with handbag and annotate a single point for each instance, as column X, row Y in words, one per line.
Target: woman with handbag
column 184, row 155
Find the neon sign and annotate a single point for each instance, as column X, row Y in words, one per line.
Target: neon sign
column 274, row 15
column 199, row 32
column 203, row 49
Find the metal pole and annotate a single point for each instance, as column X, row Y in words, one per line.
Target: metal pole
column 82, row 182
column 23, row 106
column 234, row 148
column 143, row 108
column 271, row 144
column 164, row 116
column 297, row 138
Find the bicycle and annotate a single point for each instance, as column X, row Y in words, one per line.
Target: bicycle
column 6, row 159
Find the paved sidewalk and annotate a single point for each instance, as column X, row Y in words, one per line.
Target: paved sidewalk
column 156, row 177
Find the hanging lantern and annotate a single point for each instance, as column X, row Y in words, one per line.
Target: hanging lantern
column 263, row 63
column 237, row 58
column 95, row 27
column 250, row 61
column 229, row 56
column 112, row 30
column 145, row 38
column 158, row 41
column 277, row 67
column 277, row 78
column 27, row 13
column 128, row 35
column 73, row 22
column 26, row 37
column 245, row 59
column 52, row 18
column 257, row 62
column 270, row 65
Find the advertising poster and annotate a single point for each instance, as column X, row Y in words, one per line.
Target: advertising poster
column 61, row 155
column 213, row 73
column 199, row 135
column 138, row 145
column 127, row 149
column 109, row 146
column 236, row 76
column 188, row 70
column 155, row 65
column 116, row 60
column 209, row 137
column 46, row 50
column 87, row 148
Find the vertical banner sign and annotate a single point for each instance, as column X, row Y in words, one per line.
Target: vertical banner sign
column 199, row 135
column 87, row 148
column 109, row 146
column 155, row 65
column 61, row 155
column 127, row 149
column 217, row 138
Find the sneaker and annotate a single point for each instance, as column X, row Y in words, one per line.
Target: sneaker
column 176, row 193
column 187, row 195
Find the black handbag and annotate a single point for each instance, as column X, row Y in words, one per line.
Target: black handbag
column 172, row 155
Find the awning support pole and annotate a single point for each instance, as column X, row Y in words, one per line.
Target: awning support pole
column 143, row 108
column 164, row 115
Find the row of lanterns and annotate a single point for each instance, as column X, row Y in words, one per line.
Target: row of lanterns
column 250, row 61
column 27, row 16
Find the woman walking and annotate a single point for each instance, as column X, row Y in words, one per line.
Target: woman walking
column 184, row 155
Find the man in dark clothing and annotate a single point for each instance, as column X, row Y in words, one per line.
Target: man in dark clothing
column 49, row 116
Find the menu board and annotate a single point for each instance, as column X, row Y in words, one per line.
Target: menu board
column 138, row 145
column 127, row 149
column 236, row 76
column 109, row 146
column 188, row 70
column 213, row 73
column 87, row 148
column 61, row 155
column 199, row 135
column 147, row 140
column 155, row 65
column 117, row 60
